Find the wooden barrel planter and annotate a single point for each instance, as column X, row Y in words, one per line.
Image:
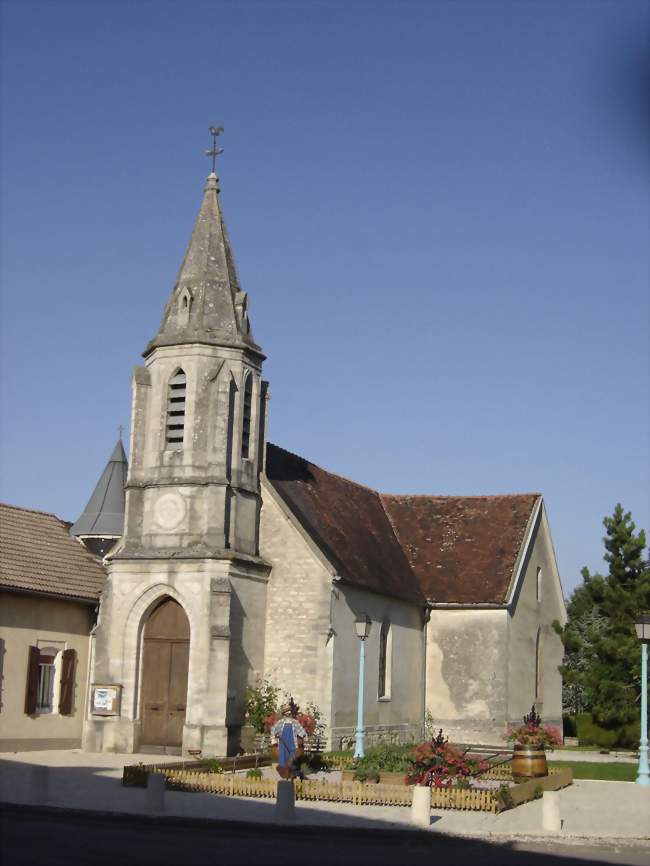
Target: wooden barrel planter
column 528, row 762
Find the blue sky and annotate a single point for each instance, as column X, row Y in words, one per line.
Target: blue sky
column 439, row 211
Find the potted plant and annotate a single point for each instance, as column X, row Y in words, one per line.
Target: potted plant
column 530, row 742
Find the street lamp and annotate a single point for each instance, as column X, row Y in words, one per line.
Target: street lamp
column 642, row 626
column 362, row 626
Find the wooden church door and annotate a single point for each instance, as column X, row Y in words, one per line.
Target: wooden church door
column 165, row 664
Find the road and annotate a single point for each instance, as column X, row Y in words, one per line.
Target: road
column 29, row 838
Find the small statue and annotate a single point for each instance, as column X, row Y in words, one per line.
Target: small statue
column 290, row 735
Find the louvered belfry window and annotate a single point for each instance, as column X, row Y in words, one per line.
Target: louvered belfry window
column 246, row 425
column 175, row 430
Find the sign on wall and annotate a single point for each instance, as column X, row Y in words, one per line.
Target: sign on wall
column 105, row 700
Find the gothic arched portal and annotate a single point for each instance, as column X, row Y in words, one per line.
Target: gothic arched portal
column 165, row 662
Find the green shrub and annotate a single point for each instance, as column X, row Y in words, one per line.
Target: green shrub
column 315, row 761
column 570, row 727
column 213, row 766
column 254, row 773
column 385, row 757
column 590, row 733
column 339, row 760
column 261, row 702
column 366, row 776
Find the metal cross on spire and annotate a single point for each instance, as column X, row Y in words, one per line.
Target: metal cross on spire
column 120, row 430
column 214, row 151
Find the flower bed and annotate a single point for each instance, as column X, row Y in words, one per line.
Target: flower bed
column 485, row 799
column 356, row 793
column 441, row 765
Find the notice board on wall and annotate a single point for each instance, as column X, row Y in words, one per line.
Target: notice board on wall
column 105, row 699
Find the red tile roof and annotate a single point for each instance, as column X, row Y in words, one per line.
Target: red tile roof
column 347, row 521
column 462, row 549
column 447, row 549
column 38, row 555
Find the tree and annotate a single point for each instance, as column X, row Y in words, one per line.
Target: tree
column 584, row 624
column 601, row 665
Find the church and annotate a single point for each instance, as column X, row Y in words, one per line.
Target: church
column 216, row 559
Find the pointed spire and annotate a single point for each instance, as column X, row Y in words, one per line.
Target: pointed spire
column 207, row 304
column 104, row 514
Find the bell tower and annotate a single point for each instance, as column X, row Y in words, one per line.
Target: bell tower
column 197, row 427
column 192, row 510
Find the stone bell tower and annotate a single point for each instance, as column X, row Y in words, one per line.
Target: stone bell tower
column 191, row 536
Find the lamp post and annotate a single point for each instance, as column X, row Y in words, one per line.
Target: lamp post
column 642, row 626
column 362, row 627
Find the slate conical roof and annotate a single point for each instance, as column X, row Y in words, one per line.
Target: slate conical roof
column 104, row 514
column 207, row 304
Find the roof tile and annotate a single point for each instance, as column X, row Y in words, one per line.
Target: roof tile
column 446, row 549
column 37, row 554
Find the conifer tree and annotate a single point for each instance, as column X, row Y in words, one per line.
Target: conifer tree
column 601, row 667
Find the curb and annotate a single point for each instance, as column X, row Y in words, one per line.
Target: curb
column 275, row 829
column 246, row 827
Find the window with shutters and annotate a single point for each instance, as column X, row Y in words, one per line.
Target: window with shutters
column 246, row 423
column 50, row 680
column 46, row 673
column 385, row 660
column 175, row 425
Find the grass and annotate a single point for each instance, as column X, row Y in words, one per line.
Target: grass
column 607, row 772
column 592, row 749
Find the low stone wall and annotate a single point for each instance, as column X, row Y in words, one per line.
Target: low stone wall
column 344, row 738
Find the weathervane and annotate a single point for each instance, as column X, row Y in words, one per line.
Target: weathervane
column 214, row 151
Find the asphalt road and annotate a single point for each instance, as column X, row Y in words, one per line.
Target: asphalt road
column 30, row 838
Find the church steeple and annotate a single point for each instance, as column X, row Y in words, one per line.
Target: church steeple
column 192, row 517
column 198, row 411
column 102, row 521
column 207, row 304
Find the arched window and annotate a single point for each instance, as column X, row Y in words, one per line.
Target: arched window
column 175, row 429
column 539, row 584
column 385, row 659
column 538, row 667
column 246, row 423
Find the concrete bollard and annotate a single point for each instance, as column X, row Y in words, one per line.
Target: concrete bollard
column 421, row 806
column 551, row 821
column 155, row 793
column 285, row 803
column 39, row 784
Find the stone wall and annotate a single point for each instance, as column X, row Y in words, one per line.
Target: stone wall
column 299, row 644
column 481, row 664
column 398, row 716
column 528, row 615
column 467, row 673
column 224, row 603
